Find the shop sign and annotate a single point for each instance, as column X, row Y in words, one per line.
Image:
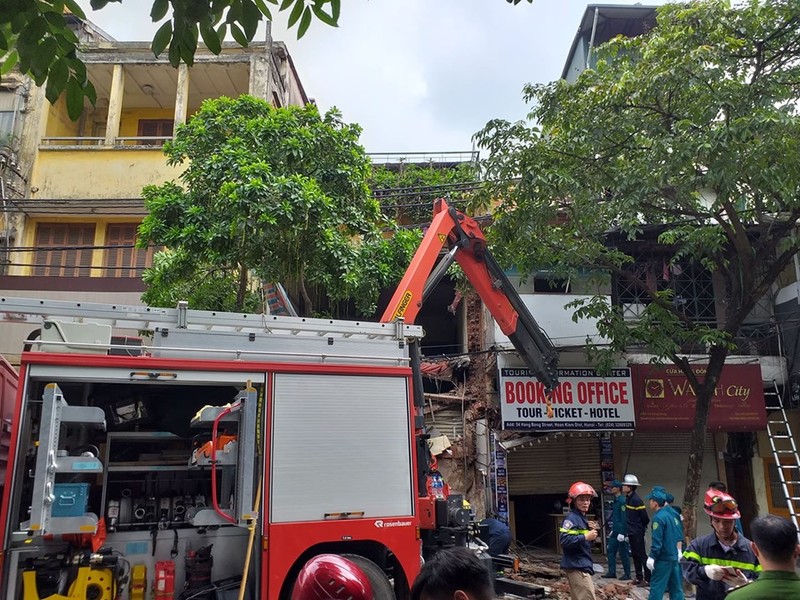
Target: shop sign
column 499, row 479
column 666, row 402
column 583, row 400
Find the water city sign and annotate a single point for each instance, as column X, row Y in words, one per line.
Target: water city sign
column 582, row 401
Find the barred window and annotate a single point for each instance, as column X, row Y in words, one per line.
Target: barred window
column 691, row 285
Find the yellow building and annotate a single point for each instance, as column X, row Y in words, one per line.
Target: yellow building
column 72, row 202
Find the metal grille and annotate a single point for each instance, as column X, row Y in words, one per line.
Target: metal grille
column 691, row 285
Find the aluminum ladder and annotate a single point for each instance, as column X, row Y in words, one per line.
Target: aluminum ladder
column 784, row 448
column 19, row 310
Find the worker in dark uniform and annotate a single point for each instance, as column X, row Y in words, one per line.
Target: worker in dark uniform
column 722, row 560
column 666, row 537
column 618, row 540
column 499, row 536
column 577, row 535
column 637, row 520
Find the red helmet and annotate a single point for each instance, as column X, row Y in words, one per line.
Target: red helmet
column 720, row 505
column 331, row 577
column 581, row 489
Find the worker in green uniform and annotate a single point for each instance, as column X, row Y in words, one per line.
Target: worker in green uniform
column 666, row 536
column 617, row 540
column 775, row 545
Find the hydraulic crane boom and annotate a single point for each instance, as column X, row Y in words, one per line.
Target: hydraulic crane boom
column 467, row 246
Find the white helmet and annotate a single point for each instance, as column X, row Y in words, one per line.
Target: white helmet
column 631, row 480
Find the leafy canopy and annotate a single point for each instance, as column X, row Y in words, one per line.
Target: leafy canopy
column 276, row 192
column 691, row 130
column 407, row 193
column 35, row 36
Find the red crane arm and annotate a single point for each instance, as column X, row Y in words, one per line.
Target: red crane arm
column 467, row 245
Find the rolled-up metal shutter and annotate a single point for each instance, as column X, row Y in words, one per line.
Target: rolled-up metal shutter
column 550, row 464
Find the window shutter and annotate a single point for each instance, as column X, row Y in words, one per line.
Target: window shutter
column 125, row 261
column 70, row 253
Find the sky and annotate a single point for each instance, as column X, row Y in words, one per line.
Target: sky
column 417, row 75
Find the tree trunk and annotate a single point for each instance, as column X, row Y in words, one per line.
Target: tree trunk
column 309, row 305
column 705, row 395
column 242, row 288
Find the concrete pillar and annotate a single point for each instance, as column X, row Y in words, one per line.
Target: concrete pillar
column 115, row 105
column 261, row 69
column 182, row 95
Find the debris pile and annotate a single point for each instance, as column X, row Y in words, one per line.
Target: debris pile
column 543, row 570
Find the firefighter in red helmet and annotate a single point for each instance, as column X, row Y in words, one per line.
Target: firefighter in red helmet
column 577, row 536
column 331, row 577
column 723, row 559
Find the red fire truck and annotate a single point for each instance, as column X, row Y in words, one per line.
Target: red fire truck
column 216, row 459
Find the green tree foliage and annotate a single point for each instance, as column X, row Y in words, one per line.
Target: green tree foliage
column 407, row 193
column 276, row 192
column 34, row 35
column 692, row 128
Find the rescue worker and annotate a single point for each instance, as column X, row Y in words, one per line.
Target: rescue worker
column 723, row 559
column 721, row 487
column 577, row 535
column 331, row 577
column 666, row 537
column 637, row 522
column 499, row 536
column 617, row 541
column 775, row 544
column 453, row 574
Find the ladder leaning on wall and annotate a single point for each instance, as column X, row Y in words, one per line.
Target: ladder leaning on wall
column 784, row 448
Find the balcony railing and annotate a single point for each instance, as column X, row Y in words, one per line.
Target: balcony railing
column 95, row 142
column 425, row 158
column 73, row 141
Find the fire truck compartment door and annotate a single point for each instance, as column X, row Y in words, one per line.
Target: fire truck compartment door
column 340, row 444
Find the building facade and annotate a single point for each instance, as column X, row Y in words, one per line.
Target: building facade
column 72, row 201
column 638, row 419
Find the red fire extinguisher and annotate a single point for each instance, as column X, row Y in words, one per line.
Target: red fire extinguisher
column 165, row 580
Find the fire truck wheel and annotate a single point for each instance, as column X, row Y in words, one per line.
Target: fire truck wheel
column 381, row 586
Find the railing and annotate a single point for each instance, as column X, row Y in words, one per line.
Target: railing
column 132, row 141
column 142, row 140
column 423, row 158
column 73, row 141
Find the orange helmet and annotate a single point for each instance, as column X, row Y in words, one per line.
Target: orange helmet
column 580, row 489
column 720, row 505
column 331, row 577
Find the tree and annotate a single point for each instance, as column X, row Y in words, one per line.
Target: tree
column 276, row 192
column 35, row 36
column 407, row 193
column 691, row 130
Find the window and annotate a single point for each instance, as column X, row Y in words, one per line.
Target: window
column 155, row 128
column 65, row 249
column 691, row 285
column 543, row 284
column 8, row 115
column 125, row 261
column 776, row 499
